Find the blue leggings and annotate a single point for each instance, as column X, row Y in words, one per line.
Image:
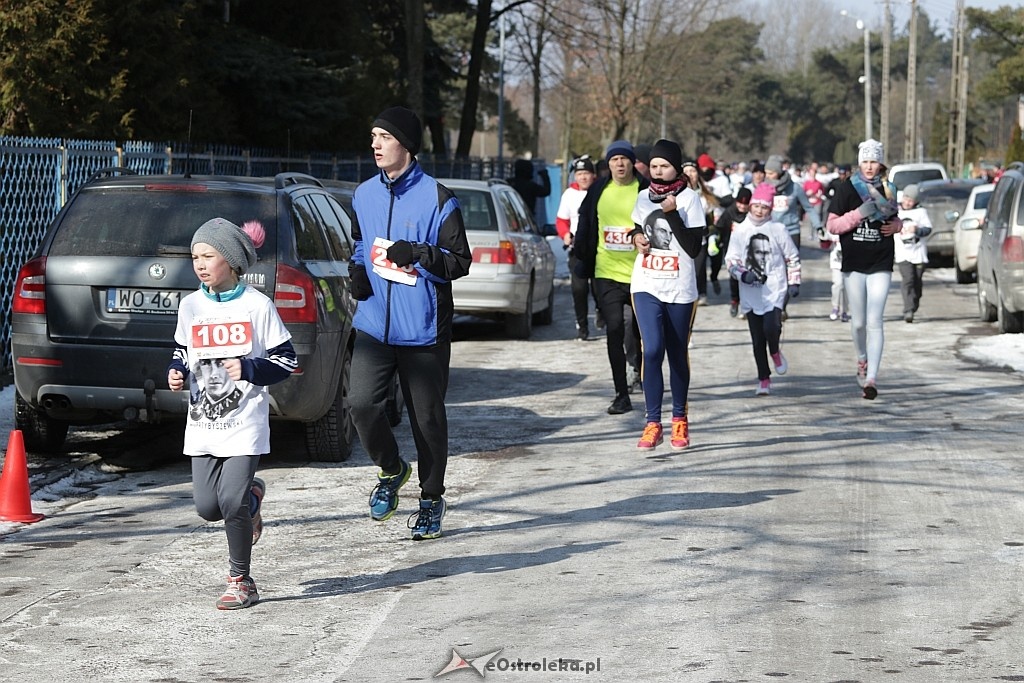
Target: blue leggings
column 866, row 293
column 664, row 329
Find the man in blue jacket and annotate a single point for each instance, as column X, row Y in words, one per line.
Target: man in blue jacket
column 410, row 243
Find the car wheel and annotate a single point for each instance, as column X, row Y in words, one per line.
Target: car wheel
column 330, row 438
column 986, row 311
column 396, row 402
column 962, row 278
column 520, row 326
column 547, row 316
column 1009, row 322
column 41, row 432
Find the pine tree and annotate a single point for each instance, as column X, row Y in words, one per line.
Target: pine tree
column 1015, row 151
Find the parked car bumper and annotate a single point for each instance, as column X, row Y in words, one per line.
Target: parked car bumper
column 507, row 294
column 940, row 244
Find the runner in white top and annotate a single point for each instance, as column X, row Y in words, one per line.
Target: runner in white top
column 670, row 226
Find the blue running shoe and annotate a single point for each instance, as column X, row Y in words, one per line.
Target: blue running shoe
column 384, row 497
column 427, row 522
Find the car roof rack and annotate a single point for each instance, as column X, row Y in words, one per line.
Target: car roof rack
column 110, row 171
column 282, row 180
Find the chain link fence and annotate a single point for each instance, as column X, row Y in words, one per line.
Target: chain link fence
column 39, row 175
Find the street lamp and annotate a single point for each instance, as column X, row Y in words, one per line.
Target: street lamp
column 867, row 72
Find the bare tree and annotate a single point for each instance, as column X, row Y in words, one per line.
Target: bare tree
column 535, row 30
column 640, row 45
column 484, row 19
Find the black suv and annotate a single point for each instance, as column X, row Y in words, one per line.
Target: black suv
column 94, row 310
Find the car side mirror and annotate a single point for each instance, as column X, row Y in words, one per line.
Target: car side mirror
column 951, row 216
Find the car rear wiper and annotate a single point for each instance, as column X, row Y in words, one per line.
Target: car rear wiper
column 173, row 250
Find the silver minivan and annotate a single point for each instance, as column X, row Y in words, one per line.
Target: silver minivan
column 1001, row 254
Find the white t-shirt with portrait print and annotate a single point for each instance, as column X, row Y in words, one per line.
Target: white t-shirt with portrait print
column 667, row 272
column 227, row 418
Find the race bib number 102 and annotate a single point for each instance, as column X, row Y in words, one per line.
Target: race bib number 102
column 221, row 338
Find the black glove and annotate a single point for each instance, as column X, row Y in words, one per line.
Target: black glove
column 401, row 253
column 360, row 283
column 748, row 277
column 794, row 291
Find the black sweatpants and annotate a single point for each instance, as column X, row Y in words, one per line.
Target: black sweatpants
column 621, row 333
column 423, row 376
column 580, row 295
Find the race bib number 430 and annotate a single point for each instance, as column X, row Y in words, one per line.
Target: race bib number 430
column 616, row 238
column 405, row 275
column 221, row 338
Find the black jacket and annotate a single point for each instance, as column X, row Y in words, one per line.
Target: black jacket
column 587, row 230
column 524, row 184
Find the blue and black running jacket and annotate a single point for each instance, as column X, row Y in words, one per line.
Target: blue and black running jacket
column 417, row 208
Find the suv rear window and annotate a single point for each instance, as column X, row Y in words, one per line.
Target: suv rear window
column 904, row 178
column 136, row 222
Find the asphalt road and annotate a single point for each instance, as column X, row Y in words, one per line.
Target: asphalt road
column 808, row 536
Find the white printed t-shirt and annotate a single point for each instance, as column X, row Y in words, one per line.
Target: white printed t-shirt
column 226, row 417
column 667, row 272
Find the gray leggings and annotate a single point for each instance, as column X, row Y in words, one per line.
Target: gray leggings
column 222, row 489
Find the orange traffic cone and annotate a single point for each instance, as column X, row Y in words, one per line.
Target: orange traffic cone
column 15, row 499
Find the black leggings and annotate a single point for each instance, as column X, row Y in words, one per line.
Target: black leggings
column 765, row 332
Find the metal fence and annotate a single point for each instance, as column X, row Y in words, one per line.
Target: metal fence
column 39, row 175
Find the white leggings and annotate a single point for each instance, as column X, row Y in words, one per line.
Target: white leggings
column 866, row 294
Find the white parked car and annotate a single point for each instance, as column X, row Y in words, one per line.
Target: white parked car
column 512, row 278
column 967, row 233
column 902, row 175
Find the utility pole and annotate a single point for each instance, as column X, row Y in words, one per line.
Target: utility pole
column 955, row 74
column 961, row 120
column 886, row 43
column 910, row 126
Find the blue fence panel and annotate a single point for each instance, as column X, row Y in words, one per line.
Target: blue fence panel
column 30, row 196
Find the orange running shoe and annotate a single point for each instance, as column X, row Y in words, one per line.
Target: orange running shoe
column 680, row 433
column 652, row 436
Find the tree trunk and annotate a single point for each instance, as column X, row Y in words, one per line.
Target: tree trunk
column 414, row 28
column 467, row 125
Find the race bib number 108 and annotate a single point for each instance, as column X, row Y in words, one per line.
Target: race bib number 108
column 220, row 338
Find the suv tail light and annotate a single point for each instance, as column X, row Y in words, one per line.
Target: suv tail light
column 1013, row 250
column 503, row 254
column 295, row 295
column 30, row 288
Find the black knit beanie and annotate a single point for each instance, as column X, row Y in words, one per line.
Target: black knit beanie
column 670, row 152
column 404, row 125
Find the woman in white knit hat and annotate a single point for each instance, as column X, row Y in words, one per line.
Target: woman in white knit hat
column 864, row 215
